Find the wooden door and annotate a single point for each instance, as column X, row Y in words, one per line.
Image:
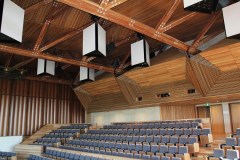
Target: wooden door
column 203, row 112
column 217, row 120
column 235, row 114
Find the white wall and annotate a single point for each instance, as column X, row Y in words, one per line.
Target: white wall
column 129, row 115
column 7, row 143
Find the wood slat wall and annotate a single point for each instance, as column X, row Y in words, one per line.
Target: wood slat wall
column 25, row 106
column 177, row 112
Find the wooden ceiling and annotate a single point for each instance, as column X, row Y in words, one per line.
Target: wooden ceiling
column 215, row 79
column 53, row 30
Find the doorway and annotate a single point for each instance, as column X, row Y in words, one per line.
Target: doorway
column 234, row 113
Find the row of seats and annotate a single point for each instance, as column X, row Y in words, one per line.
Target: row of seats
column 162, row 150
column 48, row 140
column 142, row 139
column 154, row 125
column 221, row 154
column 64, row 135
column 69, row 156
column 233, row 142
column 35, row 157
column 7, row 155
column 76, row 126
column 73, row 131
column 146, row 147
column 167, row 121
column 179, row 132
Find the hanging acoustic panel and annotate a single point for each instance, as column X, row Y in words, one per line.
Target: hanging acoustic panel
column 11, row 22
column 45, row 67
column 140, row 53
column 87, row 74
column 205, row 6
column 94, row 41
column 231, row 16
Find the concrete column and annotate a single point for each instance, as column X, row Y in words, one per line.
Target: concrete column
column 226, row 117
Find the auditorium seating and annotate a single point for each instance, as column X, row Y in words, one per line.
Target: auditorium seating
column 55, row 137
column 232, row 142
column 222, row 154
column 7, row 156
column 36, row 157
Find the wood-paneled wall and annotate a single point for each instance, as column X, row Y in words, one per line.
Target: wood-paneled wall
column 177, row 112
column 25, row 106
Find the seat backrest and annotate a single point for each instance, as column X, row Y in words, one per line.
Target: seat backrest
column 206, row 131
column 170, row 132
column 157, row 139
column 145, row 156
column 217, row 153
column 174, row 139
column 182, row 149
column 154, row 148
column 137, row 156
column 232, row 154
column 231, row 141
column 163, row 149
column 192, row 140
column 183, row 140
column 196, row 131
column 155, row 157
column 173, row 149
column 165, row 139
column 176, row 158
column 146, row 148
column 238, row 131
column 165, row 158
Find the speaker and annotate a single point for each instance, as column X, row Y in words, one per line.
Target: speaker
column 45, row 67
column 140, row 53
column 11, row 22
column 87, row 74
column 205, row 6
column 231, row 16
column 94, row 41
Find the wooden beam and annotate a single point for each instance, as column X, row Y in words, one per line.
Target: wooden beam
column 23, row 63
column 124, row 60
column 37, row 6
column 8, row 61
column 46, row 24
column 178, row 22
column 210, row 23
column 65, row 37
column 168, row 14
column 115, row 17
column 48, row 80
column 33, row 54
column 65, row 66
column 114, row 3
column 210, row 37
column 125, row 40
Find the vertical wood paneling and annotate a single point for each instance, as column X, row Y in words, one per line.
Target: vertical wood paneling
column 25, row 106
column 177, row 112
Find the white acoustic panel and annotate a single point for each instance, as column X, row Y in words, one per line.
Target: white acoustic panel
column 12, row 20
column 87, row 74
column 140, row 53
column 40, row 66
column 188, row 3
column 231, row 15
column 147, row 53
column 50, row 67
column 101, row 40
column 89, row 39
